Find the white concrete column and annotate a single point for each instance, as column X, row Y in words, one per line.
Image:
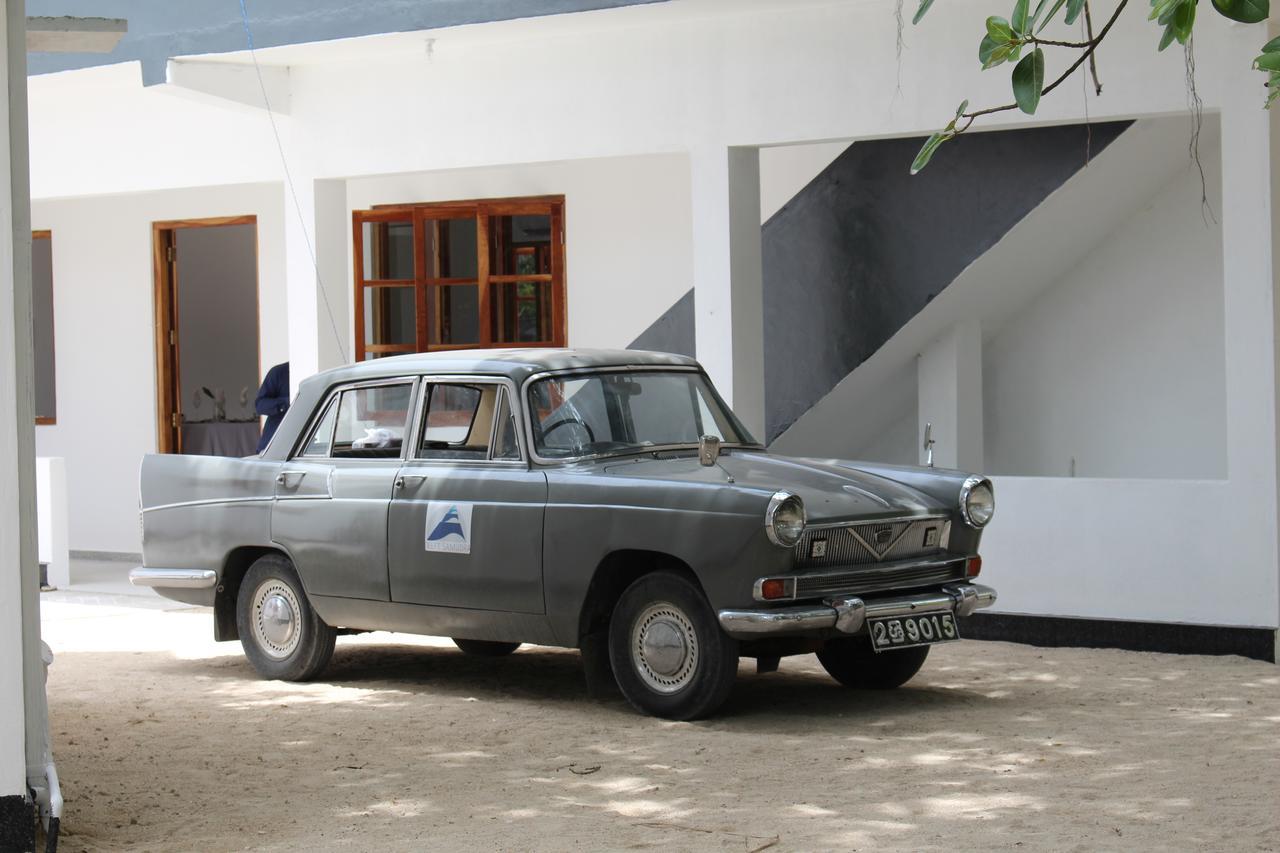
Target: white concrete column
column 728, row 280
column 1249, row 315
column 19, row 638
column 51, row 515
column 317, row 280
column 949, row 382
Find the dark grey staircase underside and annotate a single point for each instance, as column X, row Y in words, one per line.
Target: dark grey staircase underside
column 865, row 246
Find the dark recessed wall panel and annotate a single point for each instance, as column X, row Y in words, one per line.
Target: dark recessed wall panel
column 865, row 246
column 672, row 332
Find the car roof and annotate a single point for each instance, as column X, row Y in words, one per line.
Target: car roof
column 513, row 363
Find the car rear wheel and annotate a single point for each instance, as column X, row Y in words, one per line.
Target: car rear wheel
column 852, row 662
column 485, row 648
column 669, row 656
column 282, row 636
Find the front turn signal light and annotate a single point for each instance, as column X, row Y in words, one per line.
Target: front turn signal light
column 775, row 589
column 973, row 567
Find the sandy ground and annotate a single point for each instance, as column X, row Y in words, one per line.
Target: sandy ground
column 167, row 741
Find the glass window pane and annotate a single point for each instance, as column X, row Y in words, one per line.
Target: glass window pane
column 456, row 314
column 459, row 422
column 371, row 421
column 390, row 315
column 318, row 444
column 623, row 413
column 521, row 312
column 520, row 245
column 451, row 248
column 388, row 251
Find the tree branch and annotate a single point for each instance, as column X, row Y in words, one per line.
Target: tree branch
column 1093, row 60
column 1086, row 55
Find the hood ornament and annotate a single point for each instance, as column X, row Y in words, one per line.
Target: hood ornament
column 928, row 444
column 708, row 450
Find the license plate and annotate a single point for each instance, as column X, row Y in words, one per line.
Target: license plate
column 900, row 632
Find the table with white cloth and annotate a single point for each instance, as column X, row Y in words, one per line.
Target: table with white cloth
column 220, row 438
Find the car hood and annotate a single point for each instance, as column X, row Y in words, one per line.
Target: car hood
column 832, row 490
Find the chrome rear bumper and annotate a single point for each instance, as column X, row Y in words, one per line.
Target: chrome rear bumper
column 180, row 578
column 850, row 614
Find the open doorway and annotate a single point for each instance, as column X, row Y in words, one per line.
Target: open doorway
column 207, row 365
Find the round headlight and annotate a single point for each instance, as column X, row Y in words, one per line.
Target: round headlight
column 977, row 501
column 784, row 519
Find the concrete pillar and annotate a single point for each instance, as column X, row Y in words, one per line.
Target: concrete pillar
column 1249, row 310
column 728, row 281
column 317, row 279
column 51, row 515
column 21, row 708
column 949, row 382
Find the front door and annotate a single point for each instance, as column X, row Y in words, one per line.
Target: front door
column 465, row 524
column 332, row 496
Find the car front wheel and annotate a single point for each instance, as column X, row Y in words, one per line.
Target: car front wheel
column 282, row 636
column 669, row 656
column 852, row 662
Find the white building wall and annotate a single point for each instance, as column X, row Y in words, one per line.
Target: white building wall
column 1119, row 364
column 105, row 361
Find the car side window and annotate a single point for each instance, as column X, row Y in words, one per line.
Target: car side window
column 458, row 422
column 318, row 444
column 371, row 422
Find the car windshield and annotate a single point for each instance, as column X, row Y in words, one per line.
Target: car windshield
column 625, row 412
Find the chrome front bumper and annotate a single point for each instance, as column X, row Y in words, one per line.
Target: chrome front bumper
column 180, row 578
column 849, row 615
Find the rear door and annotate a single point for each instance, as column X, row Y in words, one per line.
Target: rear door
column 465, row 524
column 332, row 496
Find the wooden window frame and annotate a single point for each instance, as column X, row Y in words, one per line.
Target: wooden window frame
column 483, row 211
column 47, row 234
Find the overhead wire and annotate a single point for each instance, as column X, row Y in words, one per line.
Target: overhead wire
column 288, row 177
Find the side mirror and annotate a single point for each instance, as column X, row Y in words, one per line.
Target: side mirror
column 708, row 450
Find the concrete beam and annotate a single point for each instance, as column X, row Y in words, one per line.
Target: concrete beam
column 75, row 35
column 229, row 84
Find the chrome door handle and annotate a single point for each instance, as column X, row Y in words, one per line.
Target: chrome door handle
column 404, row 479
column 283, row 477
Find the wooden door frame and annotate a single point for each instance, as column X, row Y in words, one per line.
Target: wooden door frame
column 168, row 350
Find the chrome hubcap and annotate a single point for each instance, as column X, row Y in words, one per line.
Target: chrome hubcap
column 276, row 622
column 664, row 648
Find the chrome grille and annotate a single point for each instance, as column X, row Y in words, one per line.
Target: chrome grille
column 878, row 579
column 872, row 542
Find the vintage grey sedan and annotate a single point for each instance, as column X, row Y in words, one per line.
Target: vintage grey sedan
column 606, row 501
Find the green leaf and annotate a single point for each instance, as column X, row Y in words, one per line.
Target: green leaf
column 1167, row 38
column 920, row 12
column 1044, row 22
column 1161, row 9
column 964, row 105
column 991, row 54
column 1267, row 62
column 1028, row 81
column 926, row 151
column 1019, row 19
column 1272, row 46
column 1183, row 21
column 1244, row 11
column 999, row 30
column 1074, row 7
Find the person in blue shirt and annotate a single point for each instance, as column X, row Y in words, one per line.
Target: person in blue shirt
column 273, row 401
